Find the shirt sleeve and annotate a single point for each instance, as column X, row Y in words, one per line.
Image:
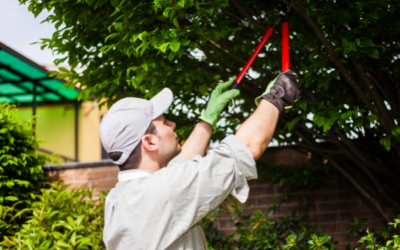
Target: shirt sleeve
column 198, row 186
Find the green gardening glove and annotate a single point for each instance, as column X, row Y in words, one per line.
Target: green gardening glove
column 218, row 100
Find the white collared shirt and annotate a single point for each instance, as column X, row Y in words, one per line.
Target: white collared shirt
column 160, row 210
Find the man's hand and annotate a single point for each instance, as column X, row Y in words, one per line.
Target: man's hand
column 282, row 92
column 198, row 140
column 217, row 102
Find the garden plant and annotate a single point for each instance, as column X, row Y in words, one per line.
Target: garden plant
column 21, row 172
column 60, row 219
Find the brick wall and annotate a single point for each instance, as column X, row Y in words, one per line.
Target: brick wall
column 333, row 204
column 332, row 209
column 101, row 175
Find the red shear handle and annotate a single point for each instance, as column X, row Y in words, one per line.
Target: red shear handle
column 285, row 46
column 254, row 55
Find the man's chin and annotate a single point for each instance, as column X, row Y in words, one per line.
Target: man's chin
column 178, row 151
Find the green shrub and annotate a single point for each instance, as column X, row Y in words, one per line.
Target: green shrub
column 384, row 239
column 21, row 173
column 258, row 231
column 60, row 220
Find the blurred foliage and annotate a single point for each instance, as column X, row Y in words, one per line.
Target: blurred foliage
column 297, row 177
column 346, row 54
column 21, row 173
column 263, row 230
column 60, row 219
column 386, row 238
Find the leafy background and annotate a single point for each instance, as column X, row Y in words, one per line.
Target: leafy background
column 344, row 52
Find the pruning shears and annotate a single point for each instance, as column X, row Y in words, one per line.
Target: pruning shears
column 285, row 45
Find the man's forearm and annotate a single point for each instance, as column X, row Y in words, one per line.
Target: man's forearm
column 197, row 142
column 257, row 131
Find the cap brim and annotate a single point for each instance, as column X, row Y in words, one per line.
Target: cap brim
column 161, row 102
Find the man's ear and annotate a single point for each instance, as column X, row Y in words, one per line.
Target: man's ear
column 150, row 142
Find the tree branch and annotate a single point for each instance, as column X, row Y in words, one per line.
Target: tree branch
column 356, row 156
column 312, row 148
column 262, row 29
column 233, row 68
column 335, row 59
column 394, row 106
column 215, row 44
column 355, row 183
column 383, row 113
column 351, row 179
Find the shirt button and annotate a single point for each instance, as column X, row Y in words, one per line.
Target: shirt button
column 240, row 173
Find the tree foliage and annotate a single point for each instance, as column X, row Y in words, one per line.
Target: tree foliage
column 346, row 54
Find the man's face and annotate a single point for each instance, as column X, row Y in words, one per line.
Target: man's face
column 167, row 139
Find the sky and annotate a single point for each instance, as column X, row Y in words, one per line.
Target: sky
column 19, row 28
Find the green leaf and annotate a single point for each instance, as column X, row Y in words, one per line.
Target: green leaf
column 11, row 198
column 386, row 142
column 181, row 3
column 175, row 45
column 353, row 46
column 303, row 105
column 63, row 244
column 396, row 131
column 71, row 221
column 359, row 122
column 157, row 3
column 167, row 11
column 334, row 114
column 111, row 36
column 175, row 22
column 372, row 52
column 374, row 15
column 184, row 43
column 372, row 118
column 319, row 120
column 367, row 43
column 346, row 51
column 198, row 31
column 163, row 47
column 345, row 43
column 293, row 123
column 210, row 11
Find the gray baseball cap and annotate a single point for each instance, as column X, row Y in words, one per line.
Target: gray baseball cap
column 124, row 125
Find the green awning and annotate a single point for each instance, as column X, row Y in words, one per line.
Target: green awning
column 19, row 75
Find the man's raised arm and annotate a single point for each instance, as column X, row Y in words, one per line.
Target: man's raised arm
column 257, row 131
column 198, row 140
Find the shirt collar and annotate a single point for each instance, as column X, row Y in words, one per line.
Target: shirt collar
column 133, row 174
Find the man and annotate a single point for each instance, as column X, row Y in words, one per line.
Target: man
column 163, row 189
